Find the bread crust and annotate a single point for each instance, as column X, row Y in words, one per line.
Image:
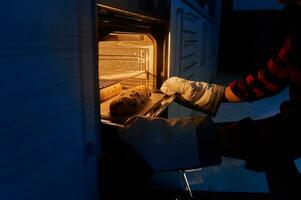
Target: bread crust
column 110, row 91
column 130, row 101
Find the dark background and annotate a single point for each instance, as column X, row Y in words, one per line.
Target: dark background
column 248, row 38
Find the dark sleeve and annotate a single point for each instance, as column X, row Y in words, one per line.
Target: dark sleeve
column 269, row 80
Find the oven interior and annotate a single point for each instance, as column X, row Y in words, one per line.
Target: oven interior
column 129, row 58
column 132, row 51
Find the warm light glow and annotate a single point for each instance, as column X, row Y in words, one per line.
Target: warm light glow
column 168, row 56
column 130, row 57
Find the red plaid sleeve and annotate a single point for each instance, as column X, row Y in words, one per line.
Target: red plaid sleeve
column 267, row 81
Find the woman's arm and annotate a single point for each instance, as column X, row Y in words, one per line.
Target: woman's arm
column 229, row 96
column 267, row 81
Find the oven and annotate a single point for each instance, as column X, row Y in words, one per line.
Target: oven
column 133, row 49
column 135, row 38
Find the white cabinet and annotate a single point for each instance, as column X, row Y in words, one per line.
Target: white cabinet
column 193, row 44
column 184, row 40
column 48, row 104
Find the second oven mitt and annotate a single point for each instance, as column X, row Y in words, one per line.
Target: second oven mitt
column 200, row 96
column 173, row 144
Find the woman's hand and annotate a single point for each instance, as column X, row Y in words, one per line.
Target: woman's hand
column 201, row 96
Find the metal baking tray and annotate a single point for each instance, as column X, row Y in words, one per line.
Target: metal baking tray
column 155, row 106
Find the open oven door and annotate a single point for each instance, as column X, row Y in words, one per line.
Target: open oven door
column 49, row 114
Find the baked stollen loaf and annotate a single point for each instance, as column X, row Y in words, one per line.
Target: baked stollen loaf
column 130, row 101
column 110, row 91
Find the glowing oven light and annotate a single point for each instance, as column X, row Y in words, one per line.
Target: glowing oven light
column 168, row 56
